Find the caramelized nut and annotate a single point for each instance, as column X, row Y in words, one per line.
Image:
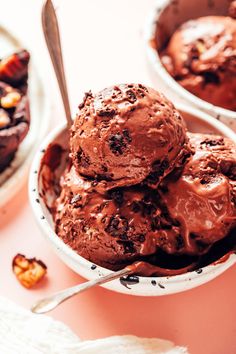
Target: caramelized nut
column 14, row 68
column 200, row 47
column 29, row 271
column 4, row 119
column 11, row 99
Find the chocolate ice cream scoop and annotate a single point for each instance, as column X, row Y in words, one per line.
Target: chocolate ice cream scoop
column 201, row 56
column 203, row 196
column 115, row 228
column 168, row 227
column 125, row 134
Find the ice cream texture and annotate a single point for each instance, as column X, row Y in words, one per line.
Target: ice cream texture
column 201, row 56
column 117, row 220
column 126, row 134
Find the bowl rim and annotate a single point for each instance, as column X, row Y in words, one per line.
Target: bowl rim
column 36, row 204
column 155, row 61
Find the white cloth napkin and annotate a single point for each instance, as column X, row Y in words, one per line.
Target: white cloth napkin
column 22, row 332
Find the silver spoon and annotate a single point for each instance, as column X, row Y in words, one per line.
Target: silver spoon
column 52, row 37
column 49, row 303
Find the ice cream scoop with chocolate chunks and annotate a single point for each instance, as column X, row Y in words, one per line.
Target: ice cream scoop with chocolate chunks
column 115, row 228
column 153, row 194
column 126, row 134
column 14, row 106
column 201, row 56
column 202, row 197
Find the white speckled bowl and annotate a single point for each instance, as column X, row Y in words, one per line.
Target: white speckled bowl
column 145, row 286
column 163, row 21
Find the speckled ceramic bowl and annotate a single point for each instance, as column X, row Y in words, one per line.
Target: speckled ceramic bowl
column 133, row 285
column 163, row 21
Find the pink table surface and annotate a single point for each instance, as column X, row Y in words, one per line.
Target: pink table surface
column 102, row 42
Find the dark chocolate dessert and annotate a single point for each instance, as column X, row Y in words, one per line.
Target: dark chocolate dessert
column 14, row 106
column 165, row 226
column 125, row 134
column 202, row 196
column 201, row 57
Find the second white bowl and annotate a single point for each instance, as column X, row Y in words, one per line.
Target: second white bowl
column 163, row 21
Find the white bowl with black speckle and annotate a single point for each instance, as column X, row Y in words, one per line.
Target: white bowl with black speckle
column 134, row 285
column 165, row 18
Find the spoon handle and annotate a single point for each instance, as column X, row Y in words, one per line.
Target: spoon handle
column 49, row 303
column 52, row 37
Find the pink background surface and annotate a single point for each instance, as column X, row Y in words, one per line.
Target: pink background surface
column 103, row 45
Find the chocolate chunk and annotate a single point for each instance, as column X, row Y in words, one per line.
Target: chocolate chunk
column 225, row 166
column 165, row 225
column 126, row 135
column 184, row 158
column 140, row 93
column 211, row 78
column 117, row 226
column 152, row 178
column 163, row 188
column 136, row 207
column 123, row 237
column 201, row 246
column 86, row 95
column 129, row 247
column 205, row 180
column 193, row 236
column 118, row 142
column 232, row 173
column 144, row 88
column 165, row 164
column 228, row 168
column 155, row 224
column 179, row 242
column 148, row 208
column 213, row 142
column 141, row 238
column 105, row 169
column 107, row 111
column 159, row 168
column 131, row 97
column 117, row 196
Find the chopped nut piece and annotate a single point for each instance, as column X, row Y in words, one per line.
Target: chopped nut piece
column 200, row 47
column 11, row 99
column 29, row 271
column 4, row 119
